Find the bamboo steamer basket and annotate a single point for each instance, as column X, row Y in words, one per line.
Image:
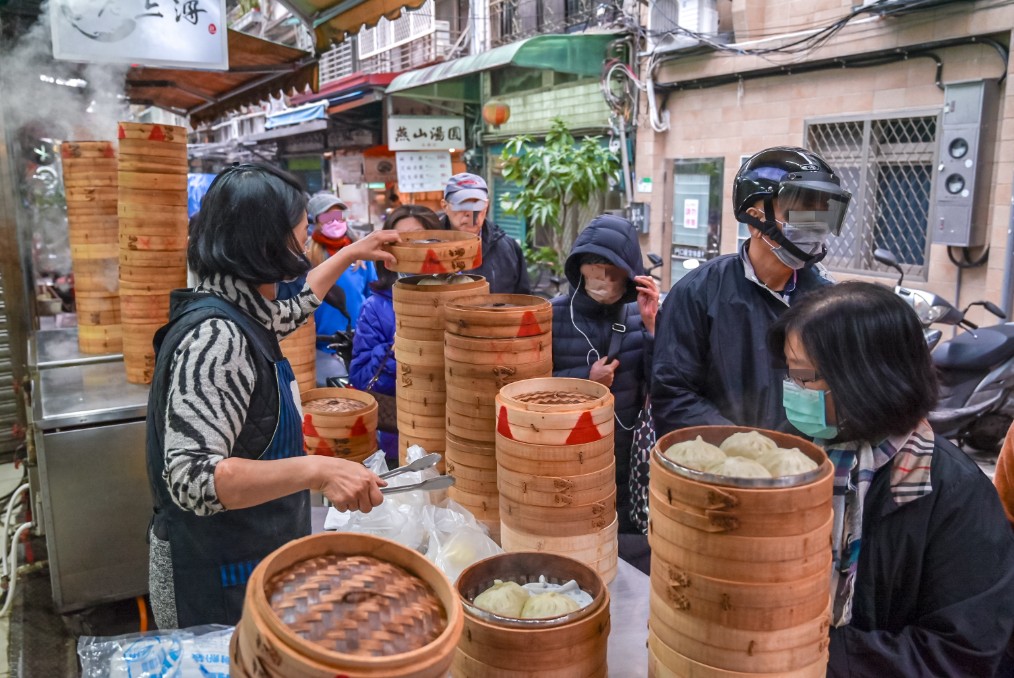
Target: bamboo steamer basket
column 153, row 259
column 498, row 351
column 489, row 378
column 761, row 652
column 418, row 352
column 406, row 440
column 471, row 429
column 320, row 423
column 558, row 521
column 483, row 508
column 571, row 645
column 144, row 308
column 104, row 250
column 665, row 662
column 471, row 410
column 419, row 421
column 541, row 490
column 421, row 377
column 87, row 152
column 73, row 165
column 471, row 453
column 555, row 411
column 174, row 199
column 499, row 316
column 418, row 309
column 452, row 252
column 100, row 346
column 96, row 177
column 167, row 278
column 96, row 302
column 153, row 132
column 357, row 450
column 264, row 645
column 426, row 403
column 152, row 181
column 588, row 548
column 140, row 151
column 548, row 460
column 111, row 317
column 96, row 276
column 161, row 243
column 478, row 474
column 91, row 194
column 300, row 348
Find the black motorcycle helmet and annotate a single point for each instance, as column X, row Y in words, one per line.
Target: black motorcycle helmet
column 804, row 186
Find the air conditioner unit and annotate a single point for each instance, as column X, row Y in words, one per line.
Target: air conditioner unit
column 669, row 20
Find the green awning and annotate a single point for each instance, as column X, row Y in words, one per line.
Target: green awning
column 333, row 20
column 579, row 54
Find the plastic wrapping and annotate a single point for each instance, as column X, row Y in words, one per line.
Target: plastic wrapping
column 198, row 652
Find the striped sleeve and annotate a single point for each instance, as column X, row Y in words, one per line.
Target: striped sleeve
column 212, row 383
column 293, row 313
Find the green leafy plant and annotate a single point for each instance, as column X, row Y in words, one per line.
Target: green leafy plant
column 555, row 178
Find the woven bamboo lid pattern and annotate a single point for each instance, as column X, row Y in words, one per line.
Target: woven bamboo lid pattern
column 555, row 398
column 357, row 605
column 333, row 405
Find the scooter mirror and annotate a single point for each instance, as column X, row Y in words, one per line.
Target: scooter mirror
column 995, row 310
column 887, row 258
column 654, row 259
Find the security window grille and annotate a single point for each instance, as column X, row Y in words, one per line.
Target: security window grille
column 887, row 165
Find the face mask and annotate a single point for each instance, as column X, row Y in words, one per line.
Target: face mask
column 288, row 289
column 806, row 410
column 600, row 286
column 787, row 258
column 334, row 229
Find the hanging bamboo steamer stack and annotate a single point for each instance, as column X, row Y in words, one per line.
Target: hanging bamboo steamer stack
column 739, row 568
column 573, row 645
column 555, row 470
column 489, row 341
column 340, row 422
column 300, row 349
column 346, row 605
column 152, row 189
column 89, row 179
column 419, row 352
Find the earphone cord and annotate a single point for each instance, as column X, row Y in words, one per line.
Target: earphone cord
column 592, row 349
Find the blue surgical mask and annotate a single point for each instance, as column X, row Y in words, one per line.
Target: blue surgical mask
column 288, row 289
column 807, row 411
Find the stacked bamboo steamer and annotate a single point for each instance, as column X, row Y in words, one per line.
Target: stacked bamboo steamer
column 89, row 178
column 340, row 422
column 300, row 349
column 346, row 605
column 419, row 352
column 489, row 341
column 739, row 568
column 555, row 470
column 152, row 182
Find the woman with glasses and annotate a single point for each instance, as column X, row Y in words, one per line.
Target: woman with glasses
column 225, row 454
column 923, row 570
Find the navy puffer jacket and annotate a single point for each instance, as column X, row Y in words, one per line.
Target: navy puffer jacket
column 615, row 239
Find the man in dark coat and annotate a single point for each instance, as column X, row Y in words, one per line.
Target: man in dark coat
column 711, row 366
column 604, row 330
column 465, row 205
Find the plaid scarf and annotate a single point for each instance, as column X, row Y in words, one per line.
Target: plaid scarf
column 855, row 464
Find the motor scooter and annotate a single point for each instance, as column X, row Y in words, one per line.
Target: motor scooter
column 975, row 369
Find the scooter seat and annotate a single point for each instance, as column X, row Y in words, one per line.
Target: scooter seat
column 980, row 349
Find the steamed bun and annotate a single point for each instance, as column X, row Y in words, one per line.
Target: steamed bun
column 503, row 598
column 550, row 604
column 780, row 462
column 750, row 445
column 695, row 454
column 740, row 467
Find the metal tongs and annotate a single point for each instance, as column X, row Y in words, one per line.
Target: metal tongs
column 420, row 464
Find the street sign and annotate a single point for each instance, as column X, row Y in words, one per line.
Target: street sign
column 425, row 133
column 173, row 33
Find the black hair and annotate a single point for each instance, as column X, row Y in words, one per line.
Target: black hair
column 429, row 220
column 246, row 224
column 868, row 345
column 592, row 258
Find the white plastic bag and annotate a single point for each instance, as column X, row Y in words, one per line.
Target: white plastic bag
column 456, row 538
column 198, row 652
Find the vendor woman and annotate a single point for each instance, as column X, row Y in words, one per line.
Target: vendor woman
column 923, row 577
column 225, row 454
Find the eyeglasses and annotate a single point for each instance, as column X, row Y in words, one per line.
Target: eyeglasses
column 802, row 377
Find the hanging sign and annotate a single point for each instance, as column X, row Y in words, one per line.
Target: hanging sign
column 175, row 33
column 424, row 133
column 419, row 172
column 691, row 207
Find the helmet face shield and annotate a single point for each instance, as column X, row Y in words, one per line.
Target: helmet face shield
column 813, row 206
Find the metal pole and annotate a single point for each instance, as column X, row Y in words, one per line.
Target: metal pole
column 1007, row 291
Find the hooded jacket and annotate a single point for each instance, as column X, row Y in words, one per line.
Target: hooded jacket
column 615, row 239
column 503, row 262
column 712, row 366
column 372, row 344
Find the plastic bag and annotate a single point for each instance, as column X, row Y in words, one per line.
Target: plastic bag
column 198, row 652
column 456, row 538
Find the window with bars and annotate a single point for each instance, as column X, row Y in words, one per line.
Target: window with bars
column 886, row 163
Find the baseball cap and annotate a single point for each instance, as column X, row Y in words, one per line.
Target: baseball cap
column 322, row 202
column 466, row 192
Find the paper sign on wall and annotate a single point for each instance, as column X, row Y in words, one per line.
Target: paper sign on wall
column 421, row 171
column 424, row 133
column 690, row 207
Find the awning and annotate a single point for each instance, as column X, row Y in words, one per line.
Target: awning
column 580, row 54
column 332, row 20
column 294, row 116
column 257, row 69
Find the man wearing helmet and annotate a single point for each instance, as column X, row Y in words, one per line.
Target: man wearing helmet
column 711, row 366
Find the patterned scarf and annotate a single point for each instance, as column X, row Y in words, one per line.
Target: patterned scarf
column 855, row 464
column 332, row 245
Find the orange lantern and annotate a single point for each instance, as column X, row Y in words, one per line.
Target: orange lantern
column 496, row 113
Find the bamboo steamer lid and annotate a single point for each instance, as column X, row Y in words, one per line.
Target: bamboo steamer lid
column 498, row 316
column 421, row 300
column 313, row 571
column 665, row 662
column 151, row 132
column 87, row 150
column 151, row 181
column 429, row 252
column 170, row 198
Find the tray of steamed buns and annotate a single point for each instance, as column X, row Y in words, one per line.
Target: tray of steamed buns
column 739, row 457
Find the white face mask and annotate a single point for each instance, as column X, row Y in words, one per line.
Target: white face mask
column 604, row 283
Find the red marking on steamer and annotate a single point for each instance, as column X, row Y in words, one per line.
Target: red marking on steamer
column 477, row 262
column 432, row 264
column 529, row 325
column 584, row 431
column 108, row 151
column 120, row 132
column 359, row 428
column 308, row 428
column 156, row 134
column 503, row 427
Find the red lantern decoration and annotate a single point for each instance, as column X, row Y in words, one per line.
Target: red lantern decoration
column 496, row 113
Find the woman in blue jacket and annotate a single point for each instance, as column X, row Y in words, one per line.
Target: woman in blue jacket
column 372, row 347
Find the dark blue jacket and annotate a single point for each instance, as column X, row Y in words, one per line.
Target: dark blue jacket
column 934, row 590
column 503, row 262
column 372, row 342
column 712, row 365
column 615, row 239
